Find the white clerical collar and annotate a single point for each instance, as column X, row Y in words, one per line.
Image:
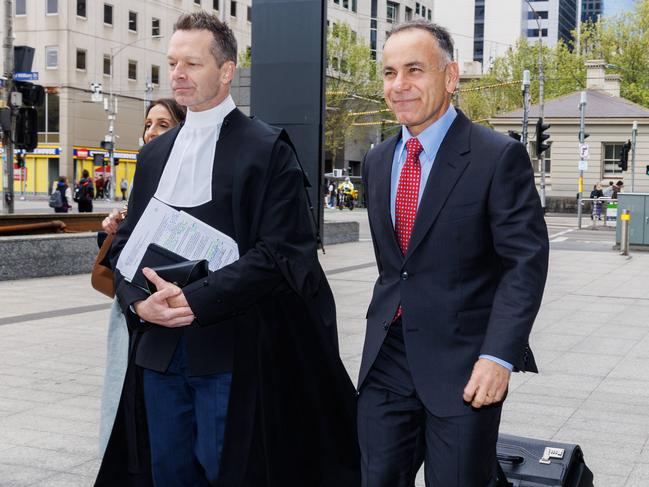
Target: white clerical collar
column 211, row 117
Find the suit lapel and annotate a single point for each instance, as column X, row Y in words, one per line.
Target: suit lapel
column 451, row 161
column 383, row 180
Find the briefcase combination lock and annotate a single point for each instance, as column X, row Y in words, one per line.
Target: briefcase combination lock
column 550, row 453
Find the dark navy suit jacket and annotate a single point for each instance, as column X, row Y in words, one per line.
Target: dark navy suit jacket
column 472, row 280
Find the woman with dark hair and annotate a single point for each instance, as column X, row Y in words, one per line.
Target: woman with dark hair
column 84, row 193
column 66, row 195
column 162, row 115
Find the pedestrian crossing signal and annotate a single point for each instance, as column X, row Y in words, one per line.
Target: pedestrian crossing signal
column 647, row 170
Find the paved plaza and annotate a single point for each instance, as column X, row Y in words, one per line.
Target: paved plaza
column 591, row 341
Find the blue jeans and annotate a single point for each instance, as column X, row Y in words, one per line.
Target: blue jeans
column 186, row 421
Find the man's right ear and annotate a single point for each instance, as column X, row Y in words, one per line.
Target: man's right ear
column 227, row 72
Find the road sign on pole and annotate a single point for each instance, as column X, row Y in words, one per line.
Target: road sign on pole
column 583, row 151
column 33, row 76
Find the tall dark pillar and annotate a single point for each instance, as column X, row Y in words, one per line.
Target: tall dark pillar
column 288, row 47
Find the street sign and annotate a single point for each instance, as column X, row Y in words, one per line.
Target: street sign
column 583, row 165
column 20, row 173
column 33, row 76
column 583, row 151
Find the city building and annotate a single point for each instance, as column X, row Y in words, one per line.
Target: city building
column 591, row 10
column 608, row 121
column 555, row 19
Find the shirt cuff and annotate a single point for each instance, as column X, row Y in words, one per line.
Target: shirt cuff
column 132, row 308
column 507, row 365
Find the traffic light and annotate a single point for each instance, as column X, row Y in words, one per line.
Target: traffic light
column 541, row 137
column 514, row 135
column 33, row 95
column 106, row 145
column 20, row 160
column 26, row 136
column 647, row 170
column 98, row 159
column 623, row 163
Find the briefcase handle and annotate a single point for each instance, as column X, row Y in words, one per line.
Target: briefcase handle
column 513, row 459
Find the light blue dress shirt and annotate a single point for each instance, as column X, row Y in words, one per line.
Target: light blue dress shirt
column 431, row 139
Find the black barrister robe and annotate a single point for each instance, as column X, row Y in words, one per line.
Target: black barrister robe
column 292, row 410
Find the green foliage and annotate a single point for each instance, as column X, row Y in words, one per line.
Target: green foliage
column 353, row 86
column 500, row 89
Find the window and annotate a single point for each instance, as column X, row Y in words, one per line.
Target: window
column 52, row 6
column 548, row 158
column 354, row 6
column 132, row 70
column 233, row 8
column 107, row 65
column 21, row 7
column 346, row 4
column 337, row 2
column 541, row 15
column 108, row 14
column 81, row 8
column 197, row 2
column 612, row 153
column 249, row 14
column 81, row 59
column 535, row 32
column 52, row 57
column 132, row 21
column 392, row 12
column 215, row 4
column 429, row 14
column 408, row 14
column 417, row 8
column 155, row 27
column 155, row 74
column 423, row 11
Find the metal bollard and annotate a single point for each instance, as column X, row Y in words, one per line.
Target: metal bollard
column 625, row 219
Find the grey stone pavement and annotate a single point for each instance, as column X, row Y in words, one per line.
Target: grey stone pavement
column 591, row 341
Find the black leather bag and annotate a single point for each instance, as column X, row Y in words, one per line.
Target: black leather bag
column 169, row 266
column 527, row 462
column 181, row 273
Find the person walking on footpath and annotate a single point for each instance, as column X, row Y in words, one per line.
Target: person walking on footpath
column 123, row 187
column 216, row 398
column 61, row 196
column 84, row 192
column 462, row 253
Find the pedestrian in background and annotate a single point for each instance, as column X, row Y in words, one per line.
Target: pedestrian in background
column 597, row 205
column 62, row 200
column 84, row 192
column 123, row 186
column 162, row 115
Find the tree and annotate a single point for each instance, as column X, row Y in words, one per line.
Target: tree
column 352, row 86
column 500, row 89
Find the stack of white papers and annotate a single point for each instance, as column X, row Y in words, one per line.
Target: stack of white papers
column 178, row 232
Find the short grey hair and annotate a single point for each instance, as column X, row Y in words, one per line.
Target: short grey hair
column 439, row 33
column 224, row 45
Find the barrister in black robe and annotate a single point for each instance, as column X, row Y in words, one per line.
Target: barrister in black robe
column 268, row 318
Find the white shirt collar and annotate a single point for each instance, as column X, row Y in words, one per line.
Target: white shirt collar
column 211, row 117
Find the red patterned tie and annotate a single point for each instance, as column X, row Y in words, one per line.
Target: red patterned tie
column 408, row 194
column 407, row 197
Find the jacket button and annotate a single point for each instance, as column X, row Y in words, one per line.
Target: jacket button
column 205, row 283
column 404, row 275
column 219, row 301
column 386, row 325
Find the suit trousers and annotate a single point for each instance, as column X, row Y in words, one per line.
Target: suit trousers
column 186, row 422
column 397, row 433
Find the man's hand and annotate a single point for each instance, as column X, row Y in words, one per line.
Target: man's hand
column 488, row 383
column 158, row 307
column 176, row 301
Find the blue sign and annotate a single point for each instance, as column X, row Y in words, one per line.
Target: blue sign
column 33, row 76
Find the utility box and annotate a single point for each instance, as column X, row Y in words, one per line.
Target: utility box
column 638, row 206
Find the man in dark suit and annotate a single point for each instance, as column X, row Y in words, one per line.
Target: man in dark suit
column 240, row 376
column 462, row 250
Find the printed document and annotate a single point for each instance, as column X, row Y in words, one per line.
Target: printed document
column 179, row 232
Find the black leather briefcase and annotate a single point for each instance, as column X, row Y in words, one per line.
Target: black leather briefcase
column 527, row 462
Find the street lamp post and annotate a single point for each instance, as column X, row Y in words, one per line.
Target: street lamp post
column 541, row 157
column 110, row 105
